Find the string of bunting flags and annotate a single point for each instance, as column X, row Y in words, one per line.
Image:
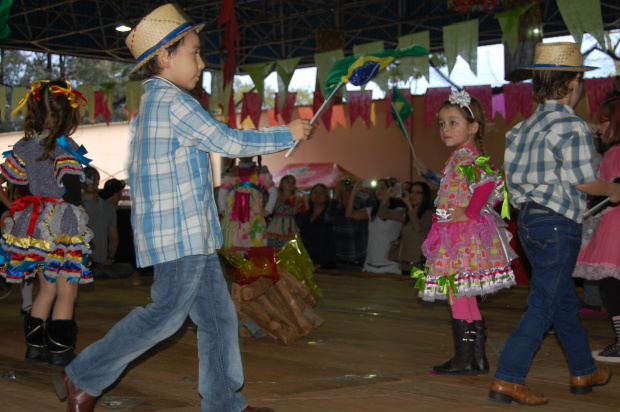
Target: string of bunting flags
column 514, row 98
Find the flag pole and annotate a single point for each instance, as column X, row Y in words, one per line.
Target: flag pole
column 402, row 126
column 317, row 115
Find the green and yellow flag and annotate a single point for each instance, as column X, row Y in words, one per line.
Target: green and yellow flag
column 401, row 108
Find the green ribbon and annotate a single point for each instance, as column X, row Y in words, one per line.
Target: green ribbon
column 419, row 274
column 506, row 202
column 471, row 171
column 447, row 282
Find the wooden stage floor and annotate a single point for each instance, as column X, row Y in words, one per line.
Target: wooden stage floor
column 373, row 353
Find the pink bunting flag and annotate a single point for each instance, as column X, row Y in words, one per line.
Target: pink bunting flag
column 360, row 104
column 232, row 114
column 101, row 107
column 203, row 97
column 289, row 105
column 485, row 95
column 518, row 97
column 596, row 90
column 389, row 118
column 326, row 117
column 498, row 106
column 432, row 100
column 251, row 107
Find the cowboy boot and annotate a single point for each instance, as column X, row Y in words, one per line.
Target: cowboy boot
column 463, row 361
column 34, row 330
column 61, row 337
column 480, row 358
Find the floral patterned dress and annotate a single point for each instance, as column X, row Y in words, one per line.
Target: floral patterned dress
column 45, row 233
column 282, row 227
column 466, row 258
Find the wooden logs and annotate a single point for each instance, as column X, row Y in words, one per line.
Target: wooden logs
column 282, row 310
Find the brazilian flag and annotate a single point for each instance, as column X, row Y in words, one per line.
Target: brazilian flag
column 358, row 70
column 403, row 108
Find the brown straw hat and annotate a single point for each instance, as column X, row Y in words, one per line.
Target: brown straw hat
column 159, row 29
column 561, row 56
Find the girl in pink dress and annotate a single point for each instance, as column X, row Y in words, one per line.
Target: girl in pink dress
column 282, row 226
column 599, row 258
column 467, row 248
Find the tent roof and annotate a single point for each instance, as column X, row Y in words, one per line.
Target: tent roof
column 309, row 174
column 270, row 30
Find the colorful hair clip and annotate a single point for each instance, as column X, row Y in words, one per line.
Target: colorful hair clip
column 76, row 98
column 34, row 91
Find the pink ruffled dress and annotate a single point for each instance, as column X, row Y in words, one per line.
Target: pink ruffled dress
column 475, row 252
column 599, row 257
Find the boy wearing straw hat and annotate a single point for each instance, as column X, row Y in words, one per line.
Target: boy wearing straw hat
column 175, row 221
column 548, row 173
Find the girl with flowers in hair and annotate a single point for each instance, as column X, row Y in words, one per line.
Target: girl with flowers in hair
column 598, row 258
column 47, row 236
column 467, row 248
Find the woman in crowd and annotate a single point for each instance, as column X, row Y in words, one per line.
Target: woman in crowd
column 316, row 233
column 380, row 231
column 417, row 220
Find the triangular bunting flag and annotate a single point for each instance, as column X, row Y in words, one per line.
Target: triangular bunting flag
column 134, row 92
column 509, row 22
column 285, row 69
column 89, row 95
column 581, row 18
column 326, row 117
column 498, row 106
column 251, row 108
column 485, row 95
column 461, row 39
column 257, row 73
column 517, row 97
column 287, row 111
column 360, row 103
column 596, row 90
column 338, row 117
column 101, row 107
column 418, row 63
column 217, row 91
column 432, row 100
column 16, row 96
column 323, row 62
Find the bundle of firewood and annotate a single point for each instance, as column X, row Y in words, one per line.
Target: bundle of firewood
column 283, row 310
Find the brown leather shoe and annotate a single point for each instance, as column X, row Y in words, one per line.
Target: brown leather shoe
column 78, row 400
column 581, row 385
column 507, row 392
column 253, row 409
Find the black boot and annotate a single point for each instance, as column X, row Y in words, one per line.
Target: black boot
column 34, row 329
column 480, row 357
column 463, row 361
column 61, row 337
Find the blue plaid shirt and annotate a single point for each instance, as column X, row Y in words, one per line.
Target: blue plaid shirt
column 546, row 156
column 173, row 211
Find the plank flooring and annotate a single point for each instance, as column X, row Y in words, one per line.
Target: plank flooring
column 373, row 353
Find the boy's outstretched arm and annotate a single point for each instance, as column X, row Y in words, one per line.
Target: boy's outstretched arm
column 301, row 129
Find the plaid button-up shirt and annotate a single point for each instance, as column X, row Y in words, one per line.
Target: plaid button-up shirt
column 173, row 211
column 546, row 156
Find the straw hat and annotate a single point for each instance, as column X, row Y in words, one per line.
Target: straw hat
column 159, row 29
column 561, row 56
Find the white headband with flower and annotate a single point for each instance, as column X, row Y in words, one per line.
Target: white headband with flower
column 462, row 98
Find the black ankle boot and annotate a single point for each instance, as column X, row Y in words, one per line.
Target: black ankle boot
column 61, row 337
column 463, row 361
column 480, row 357
column 34, row 330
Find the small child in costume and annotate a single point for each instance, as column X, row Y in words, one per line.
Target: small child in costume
column 467, row 247
column 241, row 201
column 599, row 258
column 47, row 235
column 282, row 227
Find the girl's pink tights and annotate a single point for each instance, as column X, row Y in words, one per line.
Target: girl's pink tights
column 466, row 309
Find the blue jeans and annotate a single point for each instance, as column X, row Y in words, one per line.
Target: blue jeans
column 551, row 242
column 191, row 285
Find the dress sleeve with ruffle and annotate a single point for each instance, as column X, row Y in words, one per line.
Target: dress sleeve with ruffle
column 66, row 164
column 14, row 169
